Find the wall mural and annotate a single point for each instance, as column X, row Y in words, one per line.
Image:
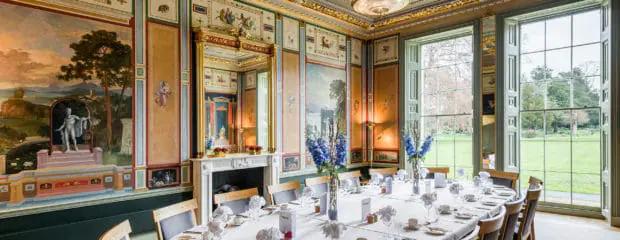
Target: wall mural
column 386, row 132
column 324, row 103
column 65, row 98
column 356, row 52
column 290, row 33
column 325, row 46
column 166, row 10
column 220, row 81
column 233, row 17
column 386, row 50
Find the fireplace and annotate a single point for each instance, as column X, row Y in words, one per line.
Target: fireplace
column 243, row 170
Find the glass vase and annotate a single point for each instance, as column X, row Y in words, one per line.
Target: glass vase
column 415, row 177
column 332, row 208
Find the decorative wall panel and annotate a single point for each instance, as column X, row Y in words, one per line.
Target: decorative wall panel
column 290, row 94
column 357, row 117
column 248, row 117
column 325, row 46
column 356, row 52
column 166, row 10
column 386, row 50
column 290, row 31
column 220, row 81
column 163, row 94
column 385, row 106
column 227, row 15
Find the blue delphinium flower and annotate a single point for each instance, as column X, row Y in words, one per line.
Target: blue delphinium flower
column 210, row 143
column 324, row 146
column 317, row 153
column 409, row 146
column 426, row 146
column 341, row 151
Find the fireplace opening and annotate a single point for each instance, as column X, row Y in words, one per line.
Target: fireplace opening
column 228, row 181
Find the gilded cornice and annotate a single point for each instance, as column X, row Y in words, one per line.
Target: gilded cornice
column 365, row 28
column 336, row 14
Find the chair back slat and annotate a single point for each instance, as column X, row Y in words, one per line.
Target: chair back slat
column 284, row 192
column 510, row 219
column 318, row 184
column 354, row 175
column 238, row 201
column 433, row 170
column 386, row 172
column 490, row 228
column 531, row 201
column 118, row 232
column 174, row 219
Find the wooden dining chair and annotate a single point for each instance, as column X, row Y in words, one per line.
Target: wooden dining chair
column 433, row 170
column 490, row 228
column 473, row 235
column 513, row 209
column 386, row 172
column 535, row 182
column 317, row 184
column 506, row 179
column 237, row 201
column 283, row 192
column 353, row 175
column 118, row 232
column 526, row 230
column 174, row 219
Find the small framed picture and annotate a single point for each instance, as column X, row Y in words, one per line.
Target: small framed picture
column 488, row 104
column 163, row 177
column 291, row 163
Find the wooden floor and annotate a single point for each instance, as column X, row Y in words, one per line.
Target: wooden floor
column 548, row 226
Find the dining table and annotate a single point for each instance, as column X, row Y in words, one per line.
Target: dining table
column 407, row 205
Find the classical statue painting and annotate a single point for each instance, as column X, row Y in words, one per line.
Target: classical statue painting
column 65, row 89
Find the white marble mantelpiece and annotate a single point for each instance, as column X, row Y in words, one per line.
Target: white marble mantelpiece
column 203, row 169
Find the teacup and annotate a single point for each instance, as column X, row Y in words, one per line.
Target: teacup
column 444, row 208
column 412, row 223
column 469, row 197
column 284, row 207
column 487, row 190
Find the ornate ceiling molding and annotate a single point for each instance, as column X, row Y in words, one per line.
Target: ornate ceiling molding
column 113, row 12
column 342, row 20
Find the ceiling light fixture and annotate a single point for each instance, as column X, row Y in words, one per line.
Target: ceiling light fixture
column 378, row 7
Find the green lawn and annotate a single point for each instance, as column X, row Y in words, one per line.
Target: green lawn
column 555, row 169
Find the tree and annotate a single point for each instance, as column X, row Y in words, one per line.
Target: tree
column 99, row 55
column 337, row 92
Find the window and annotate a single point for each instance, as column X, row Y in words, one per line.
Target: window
column 446, row 99
column 559, row 107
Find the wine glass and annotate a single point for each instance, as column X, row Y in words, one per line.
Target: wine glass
column 429, row 207
column 387, row 221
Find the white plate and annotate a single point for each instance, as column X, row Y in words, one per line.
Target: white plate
column 504, row 194
column 463, row 215
column 435, row 231
column 488, row 203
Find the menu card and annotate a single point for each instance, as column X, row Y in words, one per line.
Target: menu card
column 388, row 185
column 287, row 222
column 365, row 208
column 323, row 203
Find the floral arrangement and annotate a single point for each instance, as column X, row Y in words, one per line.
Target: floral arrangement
column 271, row 233
column 414, row 150
column 255, row 149
column 328, row 156
column 429, row 198
column 223, row 213
column 386, row 213
column 217, row 227
column 220, row 151
column 333, row 229
column 456, row 188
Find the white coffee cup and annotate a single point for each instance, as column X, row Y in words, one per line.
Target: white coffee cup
column 444, row 208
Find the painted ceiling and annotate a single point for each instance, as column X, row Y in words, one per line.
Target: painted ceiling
column 345, row 6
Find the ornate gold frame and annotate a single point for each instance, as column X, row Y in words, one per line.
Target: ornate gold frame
column 266, row 59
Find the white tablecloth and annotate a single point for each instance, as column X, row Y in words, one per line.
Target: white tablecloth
column 407, row 206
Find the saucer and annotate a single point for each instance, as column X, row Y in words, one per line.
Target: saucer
column 463, row 215
column 504, row 194
column 412, row 228
column 436, row 231
column 489, row 203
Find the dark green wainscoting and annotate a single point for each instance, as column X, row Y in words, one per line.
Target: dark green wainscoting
column 87, row 223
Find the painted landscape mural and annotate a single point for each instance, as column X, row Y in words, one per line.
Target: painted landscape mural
column 323, row 104
column 51, row 59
